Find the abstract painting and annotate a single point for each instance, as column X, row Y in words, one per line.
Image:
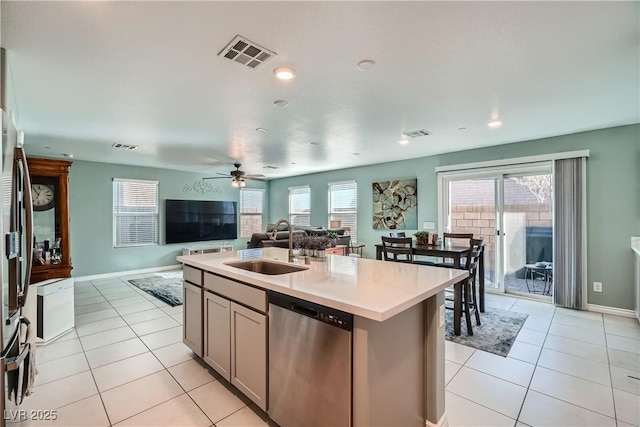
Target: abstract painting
column 395, row 204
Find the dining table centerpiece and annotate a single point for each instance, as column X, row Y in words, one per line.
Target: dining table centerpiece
column 422, row 237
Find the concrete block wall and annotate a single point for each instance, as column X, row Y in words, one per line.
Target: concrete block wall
column 479, row 219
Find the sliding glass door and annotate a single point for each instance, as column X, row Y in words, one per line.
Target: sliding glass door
column 471, row 208
column 528, row 234
column 510, row 207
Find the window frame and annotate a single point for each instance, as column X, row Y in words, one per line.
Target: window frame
column 302, row 213
column 353, row 230
column 261, row 191
column 115, row 215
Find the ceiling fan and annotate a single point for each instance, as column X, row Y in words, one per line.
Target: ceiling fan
column 238, row 177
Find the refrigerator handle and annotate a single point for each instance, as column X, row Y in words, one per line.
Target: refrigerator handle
column 28, row 212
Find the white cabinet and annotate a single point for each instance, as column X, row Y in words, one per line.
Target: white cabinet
column 249, row 353
column 217, row 334
column 192, row 309
column 235, row 336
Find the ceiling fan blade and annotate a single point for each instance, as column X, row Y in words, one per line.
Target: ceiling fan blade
column 224, row 174
column 217, row 177
column 255, row 177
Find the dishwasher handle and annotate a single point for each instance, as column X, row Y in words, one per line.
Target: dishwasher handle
column 312, row 310
column 307, row 311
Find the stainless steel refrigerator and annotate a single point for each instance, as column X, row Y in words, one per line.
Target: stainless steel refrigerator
column 16, row 254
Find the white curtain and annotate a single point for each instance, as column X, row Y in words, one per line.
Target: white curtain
column 570, row 237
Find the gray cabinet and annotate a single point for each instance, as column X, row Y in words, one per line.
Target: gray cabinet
column 217, row 334
column 249, row 353
column 192, row 317
column 637, row 286
column 235, row 335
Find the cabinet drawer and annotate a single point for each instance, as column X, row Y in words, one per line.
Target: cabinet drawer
column 244, row 294
column 192, row 275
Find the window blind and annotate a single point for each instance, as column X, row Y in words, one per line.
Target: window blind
column 300, row 205
column 343, row 205
column 135, row 212
column 251, row 210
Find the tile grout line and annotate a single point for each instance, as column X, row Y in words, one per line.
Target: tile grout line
column 93, row 377
column 535, row 367
column 613, row 397
column 556, row 398
column 164, row 368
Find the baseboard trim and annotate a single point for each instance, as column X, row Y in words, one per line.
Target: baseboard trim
column 125, row 273
column 442, row 422
column 624, row 312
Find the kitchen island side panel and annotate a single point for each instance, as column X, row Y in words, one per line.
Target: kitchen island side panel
column 389, row 375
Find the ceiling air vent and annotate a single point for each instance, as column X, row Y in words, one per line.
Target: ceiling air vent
column 246, row 52
column 417, row 133
column 124, row 146
column 270, row 167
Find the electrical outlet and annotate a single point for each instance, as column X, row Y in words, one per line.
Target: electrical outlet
column 597, row 286
column 441, row 316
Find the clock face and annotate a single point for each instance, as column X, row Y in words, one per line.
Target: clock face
column 43, row 197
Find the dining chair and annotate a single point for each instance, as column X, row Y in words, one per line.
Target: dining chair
column 466, row 294
column 355, row 250
column 398, row 249
column 415, row 260
column 446, row 238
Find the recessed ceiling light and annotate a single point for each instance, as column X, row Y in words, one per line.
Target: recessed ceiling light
column 462, row 128
column 284, row 73
column 261, row 130
column 496, row 123
column 314, row 143
column 47, row 147
column 356, row 154
column 293, row 163
column 366, row 64
column 280, row 103
column 403, row 141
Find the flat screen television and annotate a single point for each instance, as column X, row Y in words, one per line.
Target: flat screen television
column 200, row 220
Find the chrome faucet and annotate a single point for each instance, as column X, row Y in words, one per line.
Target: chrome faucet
column 275, row 232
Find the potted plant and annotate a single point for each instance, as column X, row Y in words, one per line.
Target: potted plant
column 422, row 237
column 300, row 243
column 333, row 239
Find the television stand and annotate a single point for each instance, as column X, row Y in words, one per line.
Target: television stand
column 198, row 250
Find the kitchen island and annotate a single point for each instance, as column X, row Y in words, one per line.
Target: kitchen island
column 396, row 351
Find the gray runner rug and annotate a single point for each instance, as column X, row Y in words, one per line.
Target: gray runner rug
column 167, row 289
column 496, row 335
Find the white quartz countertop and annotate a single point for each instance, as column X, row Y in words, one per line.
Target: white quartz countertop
column 635, row 244
column 368, row 288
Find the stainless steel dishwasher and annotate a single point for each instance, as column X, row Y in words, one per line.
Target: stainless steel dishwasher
column 309, row 363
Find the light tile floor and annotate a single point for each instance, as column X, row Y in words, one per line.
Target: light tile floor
column 125, row 365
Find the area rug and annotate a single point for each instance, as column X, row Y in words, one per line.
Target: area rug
column 167, row 289
column 496, row 335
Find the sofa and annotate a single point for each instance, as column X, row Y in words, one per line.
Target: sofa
column 263, row 240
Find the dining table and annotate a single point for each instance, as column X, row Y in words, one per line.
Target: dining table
column 448, row 250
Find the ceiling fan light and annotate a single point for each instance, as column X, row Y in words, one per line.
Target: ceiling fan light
column 238, row 182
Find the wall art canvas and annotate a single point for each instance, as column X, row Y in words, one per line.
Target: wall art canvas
column 395, row 204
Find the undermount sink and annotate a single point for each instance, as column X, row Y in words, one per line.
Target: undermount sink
column 265, row 267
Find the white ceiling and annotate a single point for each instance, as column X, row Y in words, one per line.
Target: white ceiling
column 88, row 74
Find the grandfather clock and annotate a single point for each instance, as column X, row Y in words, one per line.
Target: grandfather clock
column 49, row 191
